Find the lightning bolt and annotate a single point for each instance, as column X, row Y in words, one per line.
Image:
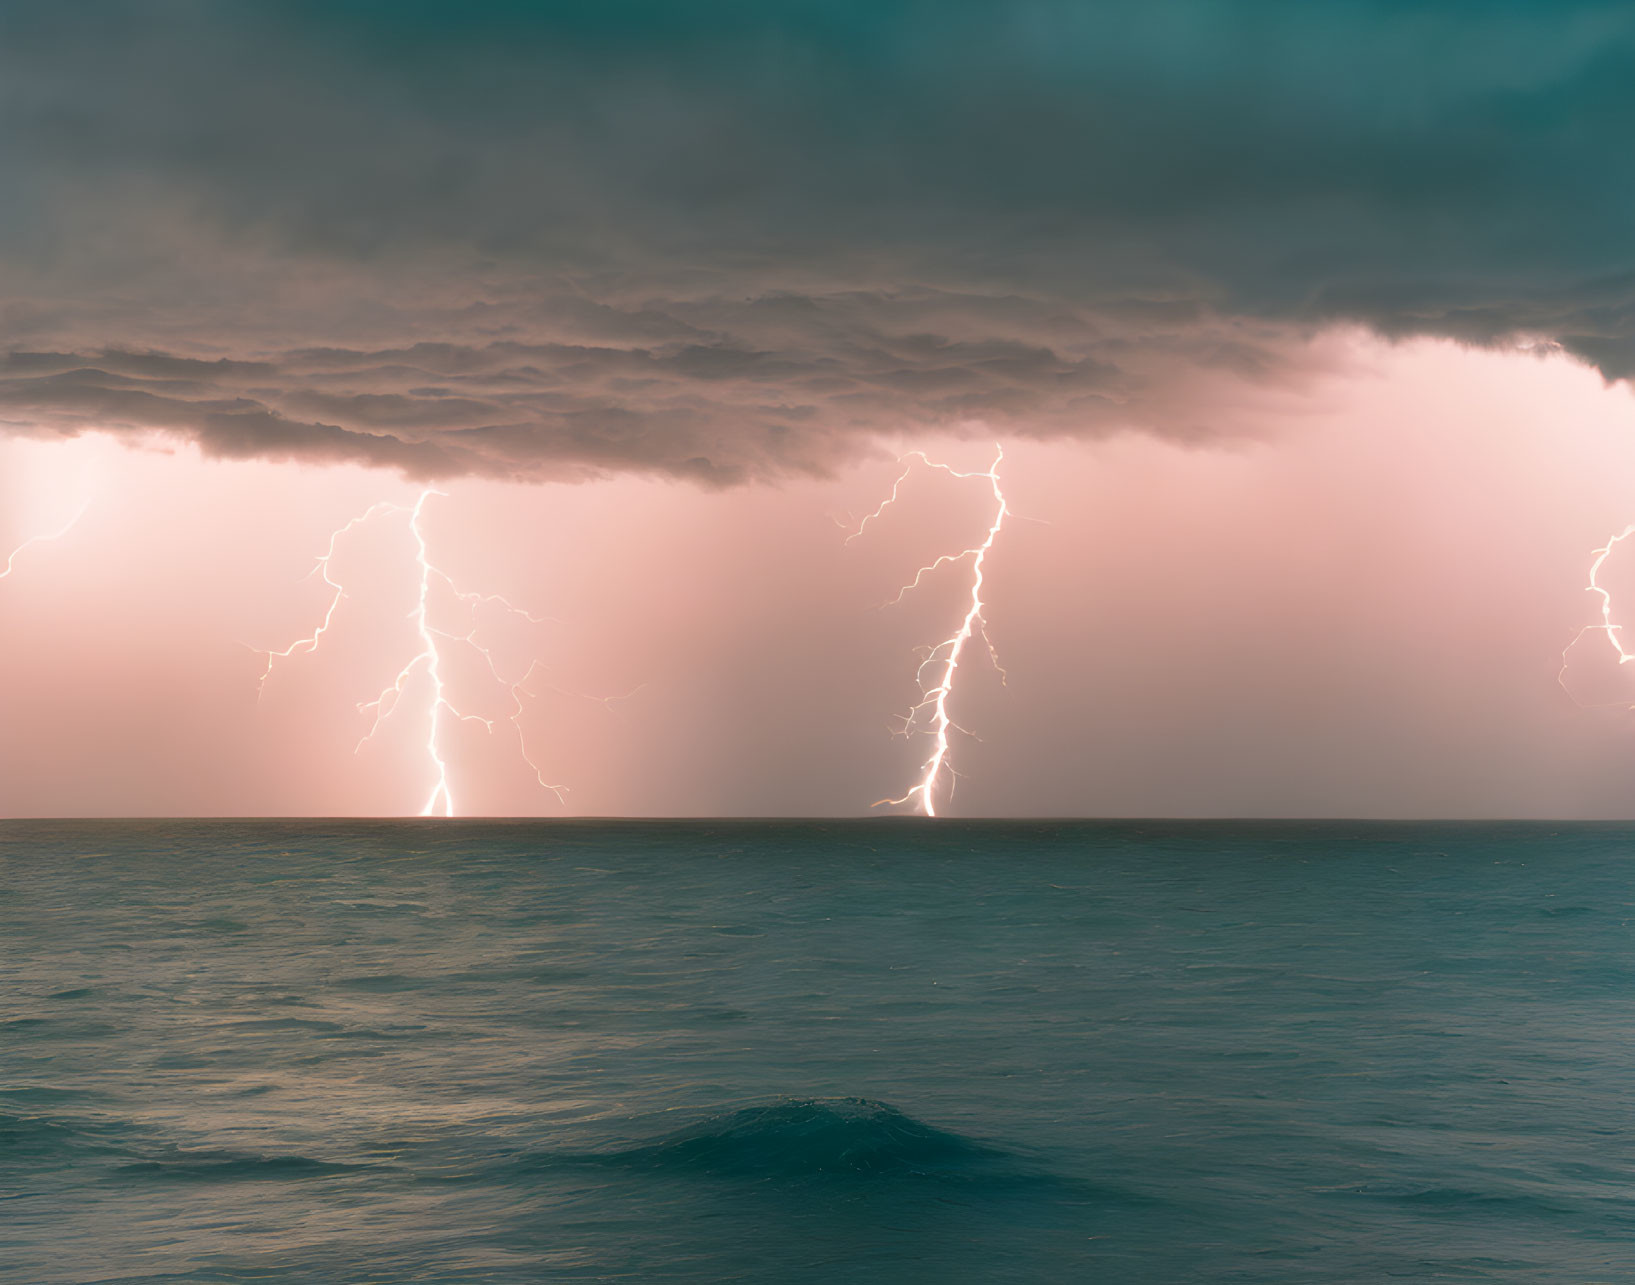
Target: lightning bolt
column 1598, row 559
column 11, row 560
column 943, row 658
column 338, row 592
column 429, row 661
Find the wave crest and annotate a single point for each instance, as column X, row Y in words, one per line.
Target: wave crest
column 812, row 1136
column 177, row 1165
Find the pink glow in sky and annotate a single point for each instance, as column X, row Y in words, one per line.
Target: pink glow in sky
column 1360, row 613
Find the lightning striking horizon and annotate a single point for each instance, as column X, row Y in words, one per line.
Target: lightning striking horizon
column 1611, row 630
column 11, row 559
column 429, row 659
column 943, row 657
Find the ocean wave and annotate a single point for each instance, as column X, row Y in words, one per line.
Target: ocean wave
column 120, row 1149
column 796, row 1137
column 38, row 1138
column 1457, row 1201
column 54, row 1028
column 226, row 1166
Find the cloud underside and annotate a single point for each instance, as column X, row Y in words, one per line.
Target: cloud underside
column 831, row 376
column 735, row 241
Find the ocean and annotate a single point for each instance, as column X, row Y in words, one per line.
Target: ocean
column 850, row 1051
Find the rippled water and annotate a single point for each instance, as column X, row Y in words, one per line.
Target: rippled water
column 816, row 1052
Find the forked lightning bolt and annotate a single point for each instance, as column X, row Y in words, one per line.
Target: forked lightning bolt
column 11, row 560
column 943, row 658
column 338, row 592
column 428, row 661
column 1624, row 655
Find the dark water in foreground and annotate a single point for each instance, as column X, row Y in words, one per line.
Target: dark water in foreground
column 872, row 1051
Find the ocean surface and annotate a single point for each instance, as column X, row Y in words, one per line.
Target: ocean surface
column 816, row 1052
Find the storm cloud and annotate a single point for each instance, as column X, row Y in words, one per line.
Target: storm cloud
column 730, row 241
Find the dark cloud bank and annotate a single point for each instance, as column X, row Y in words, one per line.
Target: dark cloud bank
column 729, row 240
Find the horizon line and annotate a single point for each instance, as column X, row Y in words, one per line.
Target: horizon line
column 844, row 818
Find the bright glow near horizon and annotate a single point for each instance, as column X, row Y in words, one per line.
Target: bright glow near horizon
column 1360, row 615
